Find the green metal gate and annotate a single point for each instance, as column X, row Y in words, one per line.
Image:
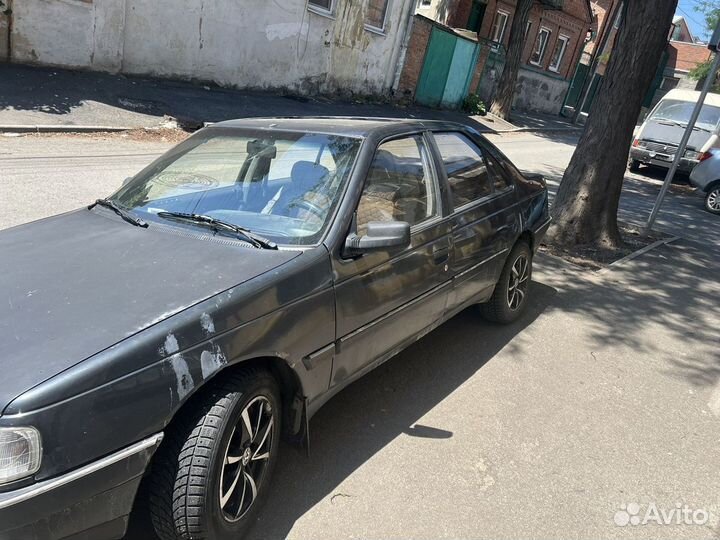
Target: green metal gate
column 447, row 71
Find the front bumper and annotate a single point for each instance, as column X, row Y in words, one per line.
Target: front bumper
column 661, row 160
column 91, row 503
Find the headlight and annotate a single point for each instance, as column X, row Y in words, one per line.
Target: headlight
column 692, row 154
column 20, row 453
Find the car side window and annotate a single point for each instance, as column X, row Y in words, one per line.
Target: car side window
column 399, row 185
column 466, row 169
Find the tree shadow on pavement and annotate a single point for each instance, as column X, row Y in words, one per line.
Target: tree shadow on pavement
column 660, row 309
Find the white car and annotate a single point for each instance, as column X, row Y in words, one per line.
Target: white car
column 706, row 177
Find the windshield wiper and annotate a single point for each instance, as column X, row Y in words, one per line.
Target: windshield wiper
column 120, row 211
column 668, row 122
column 218, row 224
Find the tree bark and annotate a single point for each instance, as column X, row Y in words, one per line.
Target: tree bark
column 585, row 208
column 506, row 87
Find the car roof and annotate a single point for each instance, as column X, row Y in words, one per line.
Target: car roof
column 692, row 96
column 349, row 126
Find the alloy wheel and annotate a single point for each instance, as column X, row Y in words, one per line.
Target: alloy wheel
column 519, row 282
column 713, row 200
column 246, row 458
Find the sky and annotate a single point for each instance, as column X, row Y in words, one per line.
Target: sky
column 695, row 20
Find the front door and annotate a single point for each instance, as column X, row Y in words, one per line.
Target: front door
column 385, row 299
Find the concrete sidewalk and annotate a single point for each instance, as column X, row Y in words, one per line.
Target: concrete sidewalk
column 46, row 99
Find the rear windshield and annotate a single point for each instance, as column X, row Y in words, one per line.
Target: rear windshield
column 679, row 112
column 283, row 186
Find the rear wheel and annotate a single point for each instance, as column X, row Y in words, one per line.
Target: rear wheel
column 712, row 200
column 212, row 471
column 510, row 297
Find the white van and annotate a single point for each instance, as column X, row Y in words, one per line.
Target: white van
column 657, row 140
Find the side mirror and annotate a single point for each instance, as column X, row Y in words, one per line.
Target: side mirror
column 380, row 235
column 127, row 181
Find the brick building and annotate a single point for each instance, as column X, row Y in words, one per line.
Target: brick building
column 555, row 36
column 681, row 55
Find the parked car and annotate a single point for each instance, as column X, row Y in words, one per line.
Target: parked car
column 706, row 177
column 164, row 339
column 658, row 138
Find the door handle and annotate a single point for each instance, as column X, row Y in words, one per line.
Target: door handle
column 441, row 255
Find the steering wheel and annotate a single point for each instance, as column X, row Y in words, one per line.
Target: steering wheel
column 311, row 207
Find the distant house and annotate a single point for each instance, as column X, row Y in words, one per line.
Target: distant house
column 554, row 38
column 681, row 55
column 680, row 30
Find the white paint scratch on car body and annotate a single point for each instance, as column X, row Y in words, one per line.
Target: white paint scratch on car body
column 185, row 383
column 211, row 361
column 207, row 323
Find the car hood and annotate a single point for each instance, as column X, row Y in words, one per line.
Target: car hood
column 75, row 284
column 673, row 135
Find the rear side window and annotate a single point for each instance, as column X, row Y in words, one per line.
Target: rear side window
column 466, row 169
column 500, row 177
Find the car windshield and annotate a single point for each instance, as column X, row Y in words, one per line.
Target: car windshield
column 283, row 186
column 680, row 112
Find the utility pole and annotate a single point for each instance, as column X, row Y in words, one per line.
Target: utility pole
column 713, row 46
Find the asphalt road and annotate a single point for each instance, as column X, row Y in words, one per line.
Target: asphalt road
column 605, row 394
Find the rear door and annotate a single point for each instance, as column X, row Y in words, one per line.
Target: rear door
column 386, row 299
column 484, row 220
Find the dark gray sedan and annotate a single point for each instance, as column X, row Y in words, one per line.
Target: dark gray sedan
column 158, row 344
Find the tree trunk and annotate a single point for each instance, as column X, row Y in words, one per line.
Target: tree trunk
column 585, row 208
column 506, row 87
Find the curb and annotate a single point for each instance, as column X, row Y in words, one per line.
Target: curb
column 637, row 253
column 62, row 129
column 539, row 130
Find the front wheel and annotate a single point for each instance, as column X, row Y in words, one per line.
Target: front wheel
column 510, row 297
column 213, row 469
column 712, row 200
column 634, row 165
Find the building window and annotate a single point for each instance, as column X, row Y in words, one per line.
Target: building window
column 670, row 83
column 322, row 6
column 528, row 26
column 424, row 3
column 376, row 13
column 499, row 25
column 540, row 45
column 558, row 53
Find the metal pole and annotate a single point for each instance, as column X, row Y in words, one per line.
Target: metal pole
column 683, row 143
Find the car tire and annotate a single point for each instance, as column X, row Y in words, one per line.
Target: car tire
column 712, row 200
column 634, row 165
column 510, row 296
column 195, row 490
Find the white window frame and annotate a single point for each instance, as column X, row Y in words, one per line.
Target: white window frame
column 566, row 41
column 528, row 26
column 379, row 30
column 544, row 47
column 321, row 10
column 424, row 4
column 506, row 14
